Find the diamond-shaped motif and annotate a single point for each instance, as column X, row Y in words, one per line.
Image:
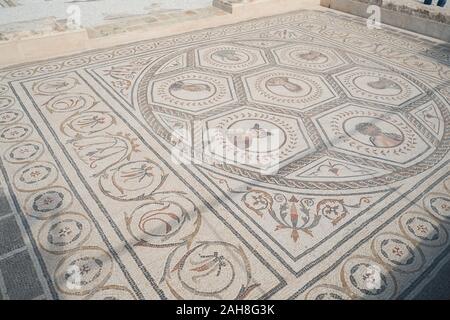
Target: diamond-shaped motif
column 256, row 135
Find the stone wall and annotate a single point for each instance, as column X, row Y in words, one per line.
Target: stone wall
column 411, row 15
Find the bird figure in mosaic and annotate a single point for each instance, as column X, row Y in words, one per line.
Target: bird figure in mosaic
column 284, row 82
column 310, row 56
column 192, row 87
column 246, row 138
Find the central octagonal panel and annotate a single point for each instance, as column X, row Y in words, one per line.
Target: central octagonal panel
column 261, row 137
column 192, row 91
column 364, row 127
column 230, row 58
column 280, row 87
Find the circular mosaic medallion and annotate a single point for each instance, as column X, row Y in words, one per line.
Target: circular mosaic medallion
column 420, row 64
column 164, row 223
column 55, row 85
column 71, row 102
column 26, row 151
column 35, row 176
column 15, row 133
column 230, row 58
column 64, row 232
column 368, row 279
column 191, row 90
column 6, row 102
column 48, row 68
column 87, row 123
column 308, row 57
column 288, row 87
column 374, row 132
column 48, row 203
column 438, row 204
column 10, row 116
column 378, row 86
column 22, row 73
column 254, row 139
column 83, row 271
column 367, row 132
column 263, row 130
column 423, row 229
column 398, row 252
column 210, row 270
column 76, row 61
column 359, row 42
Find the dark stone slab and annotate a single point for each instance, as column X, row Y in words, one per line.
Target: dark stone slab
column 10, row 235
column 439, row 287
column 5, row 208
column 20, row 277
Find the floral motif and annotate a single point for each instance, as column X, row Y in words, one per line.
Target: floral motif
column 335, row 209
column 438, row 204
column 297, row 214
column 48, row 202
column 64, row 232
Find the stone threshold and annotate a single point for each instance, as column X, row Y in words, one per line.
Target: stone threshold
column 426, row 20
column 54, row 40
column 233, row 6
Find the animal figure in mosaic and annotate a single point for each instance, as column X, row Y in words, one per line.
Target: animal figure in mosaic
column 191, row 87
column 228, row 55
column 284, row 82
column 378, row 137
column 310, row 55
column 245, row 138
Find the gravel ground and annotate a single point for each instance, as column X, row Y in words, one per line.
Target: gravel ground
column 92, row 12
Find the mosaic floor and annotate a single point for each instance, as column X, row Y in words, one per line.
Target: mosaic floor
column 359, row 207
